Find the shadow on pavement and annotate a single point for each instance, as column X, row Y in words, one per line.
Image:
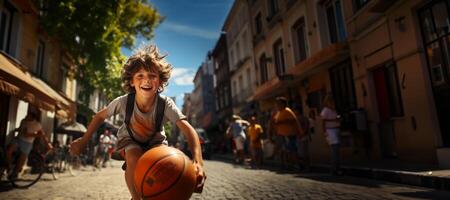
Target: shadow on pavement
column 437, row 195
column 5, row 186
column 341, row 180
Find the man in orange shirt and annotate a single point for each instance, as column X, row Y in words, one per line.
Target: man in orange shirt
column 255, row 132
column 287, row 126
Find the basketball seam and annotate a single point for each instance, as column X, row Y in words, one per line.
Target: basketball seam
column 170, row 186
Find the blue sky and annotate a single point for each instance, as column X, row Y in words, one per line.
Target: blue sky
column 190, row 29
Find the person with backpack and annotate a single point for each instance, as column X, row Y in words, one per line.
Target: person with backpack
column 144, row 77
column 236, row 131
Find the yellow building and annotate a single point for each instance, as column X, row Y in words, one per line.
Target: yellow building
column 400, row 64
column 384, row 62
column 296, row 45
column 34, row 71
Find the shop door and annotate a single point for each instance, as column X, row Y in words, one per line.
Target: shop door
column 435, row 31
column 385, row 125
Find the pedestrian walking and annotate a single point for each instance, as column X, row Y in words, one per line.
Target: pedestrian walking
column 331, row 127
column 103, row 148
column 144, row 77
column 288, row 127
column 255, row 133
column 236, row 131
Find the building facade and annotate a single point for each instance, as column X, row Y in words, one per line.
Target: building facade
column 222, row 84
column 402, row 79
column 240, row 57
column 36, row 75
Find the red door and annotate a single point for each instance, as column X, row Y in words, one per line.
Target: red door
column 381, row 93
column 385, row 125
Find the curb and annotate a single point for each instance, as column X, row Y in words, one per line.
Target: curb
column 394, row 176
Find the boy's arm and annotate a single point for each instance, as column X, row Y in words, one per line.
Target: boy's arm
column 78, row 145
column 193, row 140
column 194, row 144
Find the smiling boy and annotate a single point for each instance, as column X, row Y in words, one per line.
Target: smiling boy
column 145, row 75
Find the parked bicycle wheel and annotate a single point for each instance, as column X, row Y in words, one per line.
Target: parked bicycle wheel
column 30, row 173
column 52, row 165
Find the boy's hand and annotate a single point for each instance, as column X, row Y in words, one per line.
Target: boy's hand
column 76, row 147
column 201, row 177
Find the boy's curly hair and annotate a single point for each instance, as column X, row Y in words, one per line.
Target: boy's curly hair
column 150, row 59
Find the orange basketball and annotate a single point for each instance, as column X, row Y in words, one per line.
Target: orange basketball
column 164, row 172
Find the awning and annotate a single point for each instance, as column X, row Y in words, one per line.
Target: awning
column 72, row 128
column 271, row 88
column 16, row 81
column 65, row 108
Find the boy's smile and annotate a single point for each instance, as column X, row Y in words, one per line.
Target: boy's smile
column 145, row 83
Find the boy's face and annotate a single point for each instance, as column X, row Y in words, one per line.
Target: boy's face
column 145, row 83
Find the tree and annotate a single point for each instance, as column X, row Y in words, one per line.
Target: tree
column 93, row 32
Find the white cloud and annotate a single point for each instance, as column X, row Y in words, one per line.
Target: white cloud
column 179, row 71
column 182, row 76
column 189, row 30
column 184, row 80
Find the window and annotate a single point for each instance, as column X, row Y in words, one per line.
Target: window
column 299, row 39
column 358, row 4
column 238, row 52
column 395, row 100
column 341, row 78
column 244, row 45
column 40, row 59
column 258, row 24
column 436, row 32
column 263, row 68
column 273, row 7
column 226, row 94
column 279, row 57
column 335, row 21
column 5, row 30
column 314, row 99
column 64, row 70
column 8, row 28
column 232, row 59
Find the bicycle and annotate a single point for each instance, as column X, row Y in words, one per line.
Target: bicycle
column 34, row 168
column 73, row 163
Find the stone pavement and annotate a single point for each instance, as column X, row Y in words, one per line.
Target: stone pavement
column 387, row 170
column 227, row 181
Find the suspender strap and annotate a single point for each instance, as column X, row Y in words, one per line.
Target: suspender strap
column 130, row 106
column 160, row 107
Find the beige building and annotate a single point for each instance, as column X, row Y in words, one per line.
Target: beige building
column 34, row 71
column 401, row 71
column 240, row 56
column 384, row 62
column 295, row 44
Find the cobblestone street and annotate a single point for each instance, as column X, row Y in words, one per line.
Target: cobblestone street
column 227, row 181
